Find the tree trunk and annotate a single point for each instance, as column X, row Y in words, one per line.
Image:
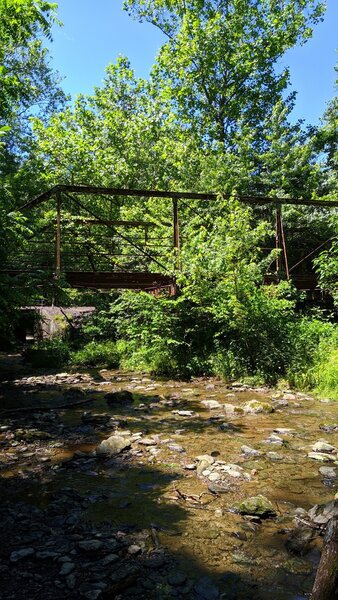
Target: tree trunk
column 326, row 582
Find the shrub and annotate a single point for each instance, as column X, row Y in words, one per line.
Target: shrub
column 325, row 374
column 96, row 354
column 311, row 341
column 48, row 354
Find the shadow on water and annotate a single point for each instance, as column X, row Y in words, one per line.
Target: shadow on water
column 109, row 528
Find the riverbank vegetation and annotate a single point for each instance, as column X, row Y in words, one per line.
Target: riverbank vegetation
column 214, row 115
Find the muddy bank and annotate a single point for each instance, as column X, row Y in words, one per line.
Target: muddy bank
column 152, row 493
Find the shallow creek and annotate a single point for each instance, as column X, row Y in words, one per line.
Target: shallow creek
column 154, row 486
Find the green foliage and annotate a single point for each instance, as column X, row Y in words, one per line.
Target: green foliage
column 95, row 354
column 315, row 364
column 161, row 335
column 325, row 374
column 54, row 353
column 217, row 67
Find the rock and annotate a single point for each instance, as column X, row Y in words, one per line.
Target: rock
column 67, row 568
column 329, row 428
column 109, row 559
column 134, row 549
column 46, row 555
column 204, row 461
column 115, row 444
column 177, row 578
column 211, row 404
column 228, row 427
column 255, row 407
column 240, row 535
column 176, row 448
column 90, row 545
column 123, row 398
column 71, row 581
column 283, row 431
column 289, row 396
column 124, row 575
column 190, row 467
column 219, row 488
column 257, row 506
column 233, row 470
column 214, row 477
column 328, row 472
column 250, row 451
column 321, row 514
column 299, row 541
column 231, row 410
column 241, row 558
column 300, row 512
column 20, row 554
column 32, row 435
column 74, row 394
column 321, row 456
column 205, row 589
column 147, row 442
column 280, row 403
column 274, row 439
column 92, row 594
column 206, row 458
column 323, row 446
column 185, row 413
column 297, row 566
column 95, row 419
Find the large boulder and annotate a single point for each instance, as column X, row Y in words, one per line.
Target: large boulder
column 256, row 506
column 255, row 406
column 113, row 445
column 90, row 418
column 122, row 398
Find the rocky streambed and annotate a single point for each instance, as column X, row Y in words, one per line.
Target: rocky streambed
column 116, row 485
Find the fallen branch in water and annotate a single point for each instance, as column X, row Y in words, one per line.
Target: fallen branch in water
column 309, row 524
column 193, row 498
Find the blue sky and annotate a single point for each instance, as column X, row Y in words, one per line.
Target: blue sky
column 94, row 34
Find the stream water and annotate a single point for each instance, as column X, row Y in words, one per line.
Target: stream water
column 154, row 487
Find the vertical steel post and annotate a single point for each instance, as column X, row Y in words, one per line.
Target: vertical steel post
column 284, row 248
column 176, row 232
column 58, row 235
column 278, row 238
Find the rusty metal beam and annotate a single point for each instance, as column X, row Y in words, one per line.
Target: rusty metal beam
column 176, row 233
column 312, row 252
column 114, row 280
column 145, row 224
column 110, row 191
column 278, row 239
column 286, row 261
column 58, row 235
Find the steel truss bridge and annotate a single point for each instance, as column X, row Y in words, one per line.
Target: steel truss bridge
column 90, row 247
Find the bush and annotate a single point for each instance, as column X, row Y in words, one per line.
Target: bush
column 48, row 354
column 311, row 341
column 96, row 354
column 164, row 336
column 325, row 374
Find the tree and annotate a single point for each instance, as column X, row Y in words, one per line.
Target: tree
column 218, row 68
column 27, row 84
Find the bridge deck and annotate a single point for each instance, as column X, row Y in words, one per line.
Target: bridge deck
column 105, row 280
